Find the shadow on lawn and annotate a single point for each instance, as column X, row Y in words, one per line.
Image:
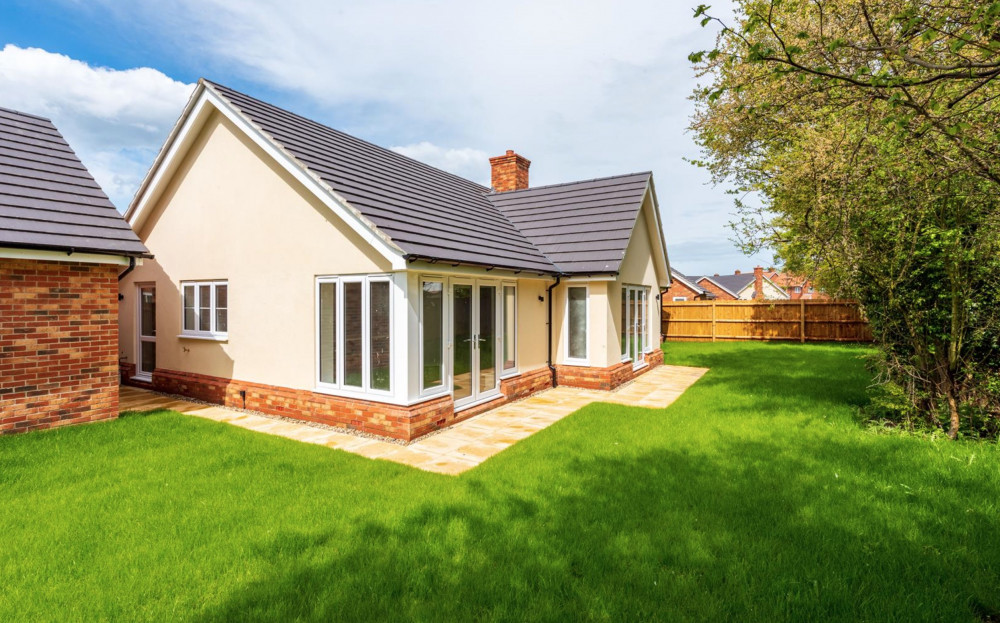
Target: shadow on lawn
column 752, row 531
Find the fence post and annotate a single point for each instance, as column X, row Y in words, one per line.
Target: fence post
column 802, row 321
column 713, row 320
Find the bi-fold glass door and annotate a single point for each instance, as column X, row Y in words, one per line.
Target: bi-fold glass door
column 475, row 362
column 146, row 332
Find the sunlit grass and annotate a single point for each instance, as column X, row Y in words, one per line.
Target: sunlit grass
column 756, row 496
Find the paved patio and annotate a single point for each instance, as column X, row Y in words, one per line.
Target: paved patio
column 459, row 447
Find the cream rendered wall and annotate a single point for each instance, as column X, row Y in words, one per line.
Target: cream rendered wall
column 771, row 292
column 231, row 213
column 638, row 269
column 598, row 317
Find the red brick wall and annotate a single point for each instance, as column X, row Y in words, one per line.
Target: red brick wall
column 605, row 378
column 399, row 422
column 58, row 343
column 679, row 289
column 719, row 293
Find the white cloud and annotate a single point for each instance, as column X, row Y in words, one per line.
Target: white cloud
column 582, row 89
column 464, row 161
column 115, row 120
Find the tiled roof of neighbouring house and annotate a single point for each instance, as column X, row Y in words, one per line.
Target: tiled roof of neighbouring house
column 581, row 227
column 48, row 199
column 732, row 283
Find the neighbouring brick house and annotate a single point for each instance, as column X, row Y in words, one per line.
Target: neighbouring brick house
column 62, row 247
column 797, row 286
column 741, row 286
column 684, row 288
column 301, row 271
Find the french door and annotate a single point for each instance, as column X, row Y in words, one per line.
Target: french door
column 475, row 363
column 635, row 324
column 146, row 332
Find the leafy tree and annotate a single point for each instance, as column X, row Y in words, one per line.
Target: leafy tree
column 868, row 137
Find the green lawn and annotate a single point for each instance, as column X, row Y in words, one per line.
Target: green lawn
column 757, row 496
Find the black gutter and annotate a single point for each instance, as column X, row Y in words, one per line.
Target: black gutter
column 552, row 368
column 131, row 267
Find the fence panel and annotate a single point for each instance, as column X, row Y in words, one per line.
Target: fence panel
column 802, row 321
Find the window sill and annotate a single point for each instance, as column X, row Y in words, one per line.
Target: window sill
column 507, row 374
column 582, row 363
column 357, row 393
column 216, row 337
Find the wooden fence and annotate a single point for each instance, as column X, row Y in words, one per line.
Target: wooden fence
column 802, row 321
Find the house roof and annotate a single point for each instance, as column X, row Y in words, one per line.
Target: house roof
column 428, row 213
column 48, row 199
column 732, row 284
column 575, row 228
column 582, row 227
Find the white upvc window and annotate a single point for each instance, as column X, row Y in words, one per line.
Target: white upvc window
column 576, row 330
column 432, row 334
column 354, row 334
column 508, row 328
column 680, row 298
column 205, row 309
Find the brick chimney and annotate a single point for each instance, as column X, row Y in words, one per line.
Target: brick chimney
column 758, row 282
column 509, row 172
column 736, row 272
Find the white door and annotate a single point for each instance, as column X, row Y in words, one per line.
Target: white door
column 475, row 340
column 146, row 332
column 635, row 320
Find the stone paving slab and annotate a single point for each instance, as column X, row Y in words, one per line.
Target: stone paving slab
column 459, row 447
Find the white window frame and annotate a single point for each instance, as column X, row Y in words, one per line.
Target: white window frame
column 339, row 388
column 445, row 343
column 212, row 333
column 512, row 371
column 576, row 361
column 680, row 298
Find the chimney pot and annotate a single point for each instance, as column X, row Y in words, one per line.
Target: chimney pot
column 509, row 172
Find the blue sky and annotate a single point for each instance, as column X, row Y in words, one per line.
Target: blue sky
column 582, row 89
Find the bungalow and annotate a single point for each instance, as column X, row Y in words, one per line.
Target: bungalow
column 304, row 272
column 742, row 286
column 62, row 247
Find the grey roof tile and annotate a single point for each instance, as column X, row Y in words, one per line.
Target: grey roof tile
column 583, row 227
column 48, row 199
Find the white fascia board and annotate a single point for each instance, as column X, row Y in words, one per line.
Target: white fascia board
column 188, row 128
column 63, row 256
column 663, row 259
column 445, row 268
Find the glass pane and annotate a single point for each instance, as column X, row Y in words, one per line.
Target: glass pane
column 148, row 352
column 509, row 328
column 147, row 311
column 221, row 320
column 353, row 339
column 462, row 318
column 221, row 305
column 379, row 330
column 626, row 352
column 205, row 308
column 578, row 323
column 189, row 308
column 433, row 328
column 487, row 338
column 328, row 332
column 634, row 313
